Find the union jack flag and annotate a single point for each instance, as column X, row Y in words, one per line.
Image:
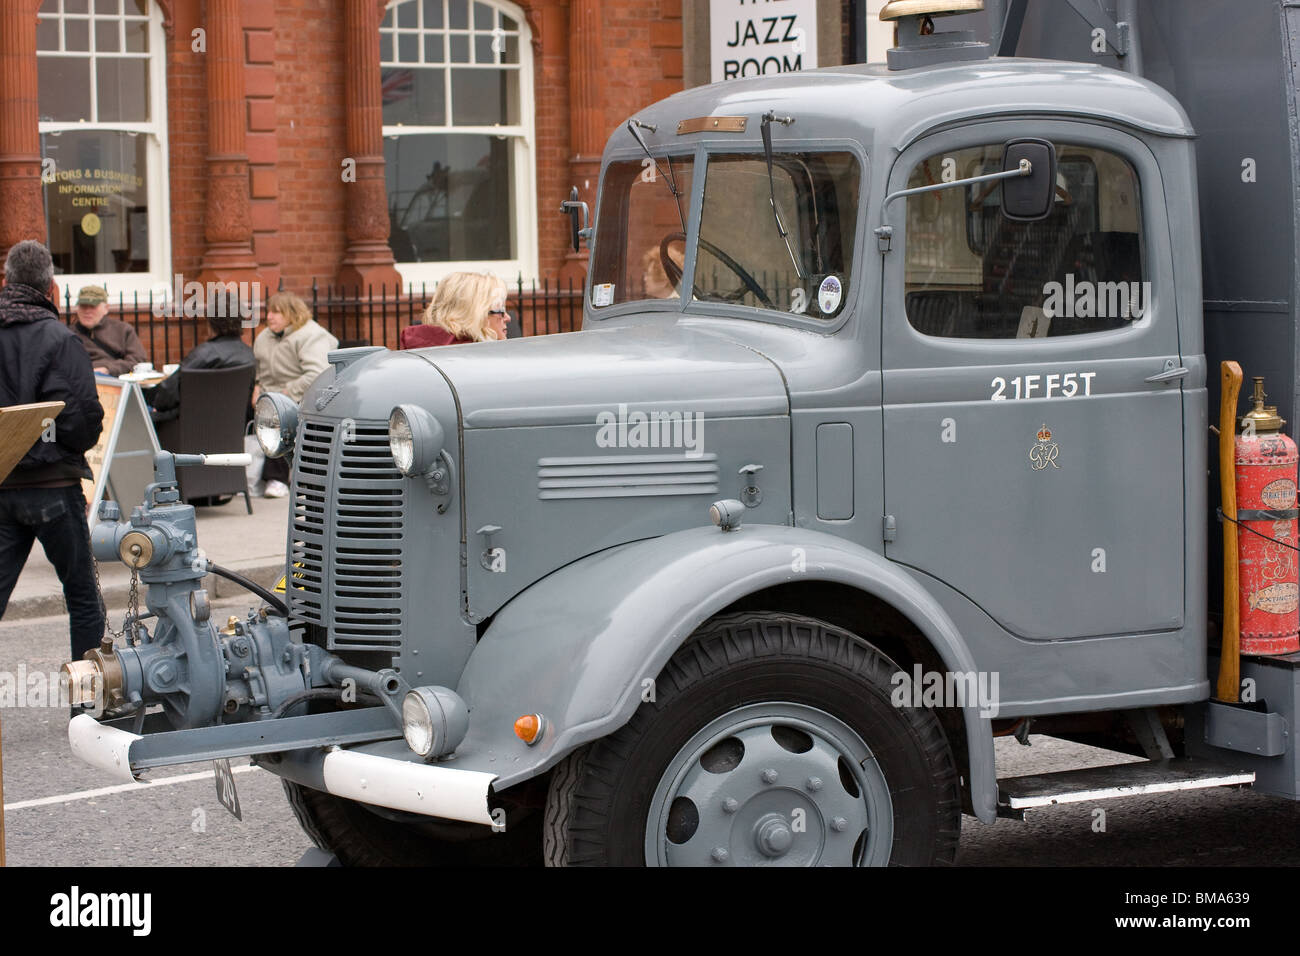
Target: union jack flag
column 397, row 85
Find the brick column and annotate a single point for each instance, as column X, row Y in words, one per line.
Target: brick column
column 227, row 223
column 368, row 260
column 586, row 112
column 263, row 139
column 666, row 50
column 23, row 207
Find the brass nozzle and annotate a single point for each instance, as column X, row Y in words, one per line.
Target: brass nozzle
column 136, row 549
column 1264, row 418
column 81, row 679
column 96, row 680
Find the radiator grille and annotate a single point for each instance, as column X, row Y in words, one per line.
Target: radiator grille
column 347, row 535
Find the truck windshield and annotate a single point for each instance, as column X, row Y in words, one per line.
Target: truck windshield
column 640, row 245
column 742, row 259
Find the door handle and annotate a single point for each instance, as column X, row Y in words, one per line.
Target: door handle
column 1170, row 374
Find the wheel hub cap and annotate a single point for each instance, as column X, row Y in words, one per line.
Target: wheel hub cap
column 772, row 836
column 771, row 784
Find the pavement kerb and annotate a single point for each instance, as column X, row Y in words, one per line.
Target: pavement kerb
column 115, row 594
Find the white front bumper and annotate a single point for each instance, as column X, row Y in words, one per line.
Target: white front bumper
column 414, row 787
column 426, row 789
column 105, row 748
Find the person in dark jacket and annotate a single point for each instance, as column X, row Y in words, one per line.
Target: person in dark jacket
column 112, row 344
column 42, row 360
column 226, row 349
column 466, row 307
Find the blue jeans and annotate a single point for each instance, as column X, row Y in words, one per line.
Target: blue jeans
column 57, row 518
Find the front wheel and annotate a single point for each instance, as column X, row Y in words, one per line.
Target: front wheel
column 771, row 740
column 359, row 835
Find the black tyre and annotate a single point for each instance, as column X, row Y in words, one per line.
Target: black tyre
column 772, row 740
column 361, row 836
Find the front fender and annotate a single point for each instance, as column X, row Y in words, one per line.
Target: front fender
column 577, row 645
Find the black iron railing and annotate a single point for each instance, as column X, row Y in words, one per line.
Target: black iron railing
column 377, row 316
column 373, row 316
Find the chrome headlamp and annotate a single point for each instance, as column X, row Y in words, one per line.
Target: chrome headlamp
column 415, row 439
column 434, row 721
column 275, row 422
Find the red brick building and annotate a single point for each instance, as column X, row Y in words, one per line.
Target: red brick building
column 351, row 141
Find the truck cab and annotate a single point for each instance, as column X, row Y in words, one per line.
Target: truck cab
column 971, row 396
column 886, row 432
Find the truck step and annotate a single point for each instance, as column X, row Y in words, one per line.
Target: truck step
column 1018, row 795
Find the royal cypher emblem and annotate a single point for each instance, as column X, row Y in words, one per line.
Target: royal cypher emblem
column 1044, row 452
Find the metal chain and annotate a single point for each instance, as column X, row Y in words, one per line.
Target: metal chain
column 132, row 598
column 132, row 605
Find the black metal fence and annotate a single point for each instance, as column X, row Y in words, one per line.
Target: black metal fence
column 169, row 329
column 377, row 316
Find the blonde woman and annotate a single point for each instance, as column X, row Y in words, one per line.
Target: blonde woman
column 467, row 307
column 291, row 351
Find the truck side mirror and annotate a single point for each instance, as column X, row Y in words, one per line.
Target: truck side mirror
column 575, row 207
column 1028, row 198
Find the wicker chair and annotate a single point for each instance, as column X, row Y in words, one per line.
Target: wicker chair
column 213, row 410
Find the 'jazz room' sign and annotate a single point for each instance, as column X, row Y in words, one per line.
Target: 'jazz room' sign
column 757, row 37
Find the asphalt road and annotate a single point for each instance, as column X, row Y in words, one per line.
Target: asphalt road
column 58, row 811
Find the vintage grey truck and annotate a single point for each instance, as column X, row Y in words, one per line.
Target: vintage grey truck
column 887, row 432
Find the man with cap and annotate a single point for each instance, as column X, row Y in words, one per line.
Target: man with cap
column 113, row 345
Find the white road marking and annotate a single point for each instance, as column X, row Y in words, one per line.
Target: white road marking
column 120, row 788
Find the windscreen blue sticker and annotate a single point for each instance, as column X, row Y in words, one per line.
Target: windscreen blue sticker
column 829, row 295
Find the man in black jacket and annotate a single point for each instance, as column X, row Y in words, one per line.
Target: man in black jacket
column 226, row 349
column 42, row 361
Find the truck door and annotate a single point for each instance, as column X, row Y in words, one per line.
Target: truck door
column 1031, row 460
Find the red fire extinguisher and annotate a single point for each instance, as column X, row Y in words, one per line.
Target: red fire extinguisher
column 1266, row 533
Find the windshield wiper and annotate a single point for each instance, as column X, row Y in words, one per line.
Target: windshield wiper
column 769, row 118
column 634, row 126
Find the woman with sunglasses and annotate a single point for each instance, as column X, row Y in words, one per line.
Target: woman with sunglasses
column 466, row 307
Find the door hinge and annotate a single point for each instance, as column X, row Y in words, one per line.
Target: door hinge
column 889, row 528
column 884, row 235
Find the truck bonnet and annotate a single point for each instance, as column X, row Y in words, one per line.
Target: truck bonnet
column 567, row 445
